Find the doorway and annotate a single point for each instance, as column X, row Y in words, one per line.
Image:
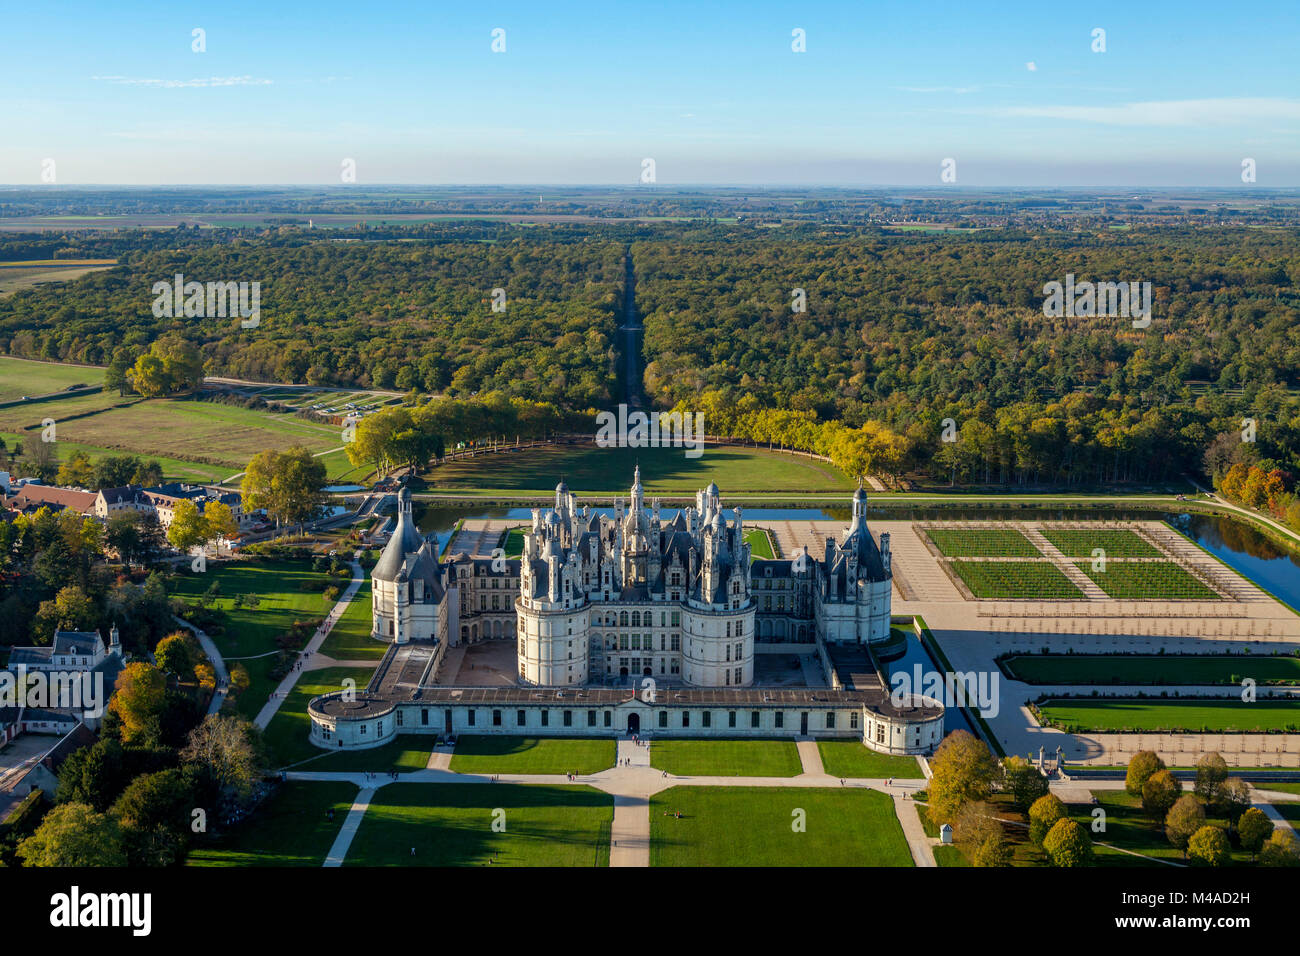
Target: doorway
column 633, row 723
column 803, row 724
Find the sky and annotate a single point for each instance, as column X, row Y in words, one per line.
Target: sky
column 287, row 92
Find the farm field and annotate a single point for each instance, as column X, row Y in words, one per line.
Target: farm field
column 982, row 543
column 205, row 433
column 1124, row 715
column 752, row 826
column 1116, row 542
column 591, row 470
column 15, row 276
column 1015, row 579
column 290, row 829
column 452, row 825
column 287, row 734
column 1148, row 580
column 506, row 754
column 852, row 758
column 250, row 632
column 1152, row 668
column 727, row 758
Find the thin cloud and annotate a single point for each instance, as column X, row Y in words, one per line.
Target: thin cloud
column 183, row 84
column 1223, row 111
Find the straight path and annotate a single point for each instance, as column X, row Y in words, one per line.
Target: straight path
column 920, row 845
column 630, row 833
column 809, row 756
column 282, row 691
column 339, row 851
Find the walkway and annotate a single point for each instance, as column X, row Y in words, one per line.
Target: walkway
column 282, row 691
column 218, row 665
column 339, row 851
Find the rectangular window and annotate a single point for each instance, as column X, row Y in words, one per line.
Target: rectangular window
column 568, row 718
column 830, row 720
column 708, row 718
column 546, row 718
column 496, row 718
column 424, row 716
column 399, row 718
column 780, row 719
column 591, row 718
column 470, row 718
column 731, row 718
column 663, row 718
column 520, row 718
column 609, row 718
column 853, row 720
column 753, row 719
column 686, row 718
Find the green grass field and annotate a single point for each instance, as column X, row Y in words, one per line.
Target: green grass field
column 755, row 826
column 485, row 754
column 287, row 734
column 760, row 545
column 949, row 856
column 1129, row 828
column 251, row 632
column 982, row 543
column 1116, row 542
column 289, row 829
column 19, row 377
column 1150, row 580
column 1040, row 580
column 590, row 470
column 406, row 752
column 213, row 439
column 453, row 825
column 1152, row 668
column 851, row 758
column 1125, row 715
column 350, row 639
column 514, row 542
column 726, row 758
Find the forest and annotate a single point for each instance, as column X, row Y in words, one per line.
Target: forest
column 923, row 353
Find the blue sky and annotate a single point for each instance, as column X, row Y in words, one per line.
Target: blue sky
column 412, row 92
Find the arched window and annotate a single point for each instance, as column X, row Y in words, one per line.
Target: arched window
column 622, row 618
column 636, row 618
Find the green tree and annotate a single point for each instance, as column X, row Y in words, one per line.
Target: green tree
column 287, row 484
column 73, row 834
column 175, row 654
column 1140, row 767
column 187, row 529
column 228, row 753
column 1253, row 828
column 1209, row 846
column 77, row 471
column 1023, row 781
column 140, row 701
column 1184, row 818
column 1159, row 793
column 1043, row 815
column 1067, row 844
column 1280, row 849
column 963, row 770
column 1211, row 772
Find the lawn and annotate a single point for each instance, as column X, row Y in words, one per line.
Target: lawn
column 1116, row 542
column 289, row 829
column 1152, row 668
column 726, row 758
column 287, row 734
column 1126, row 715
column 406, row 752
column 484, row 754
column 589, row 469
column 760, row 544
column 755, row 826
column 1029, row 580
column 949, row 856
column 1151, row 580
column 250, row 632
column 852, row 758
column 19, row 377
column 350, row 639
column 453, row 825
column 514, row 542
column 982, row 543
column 1128, row 827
